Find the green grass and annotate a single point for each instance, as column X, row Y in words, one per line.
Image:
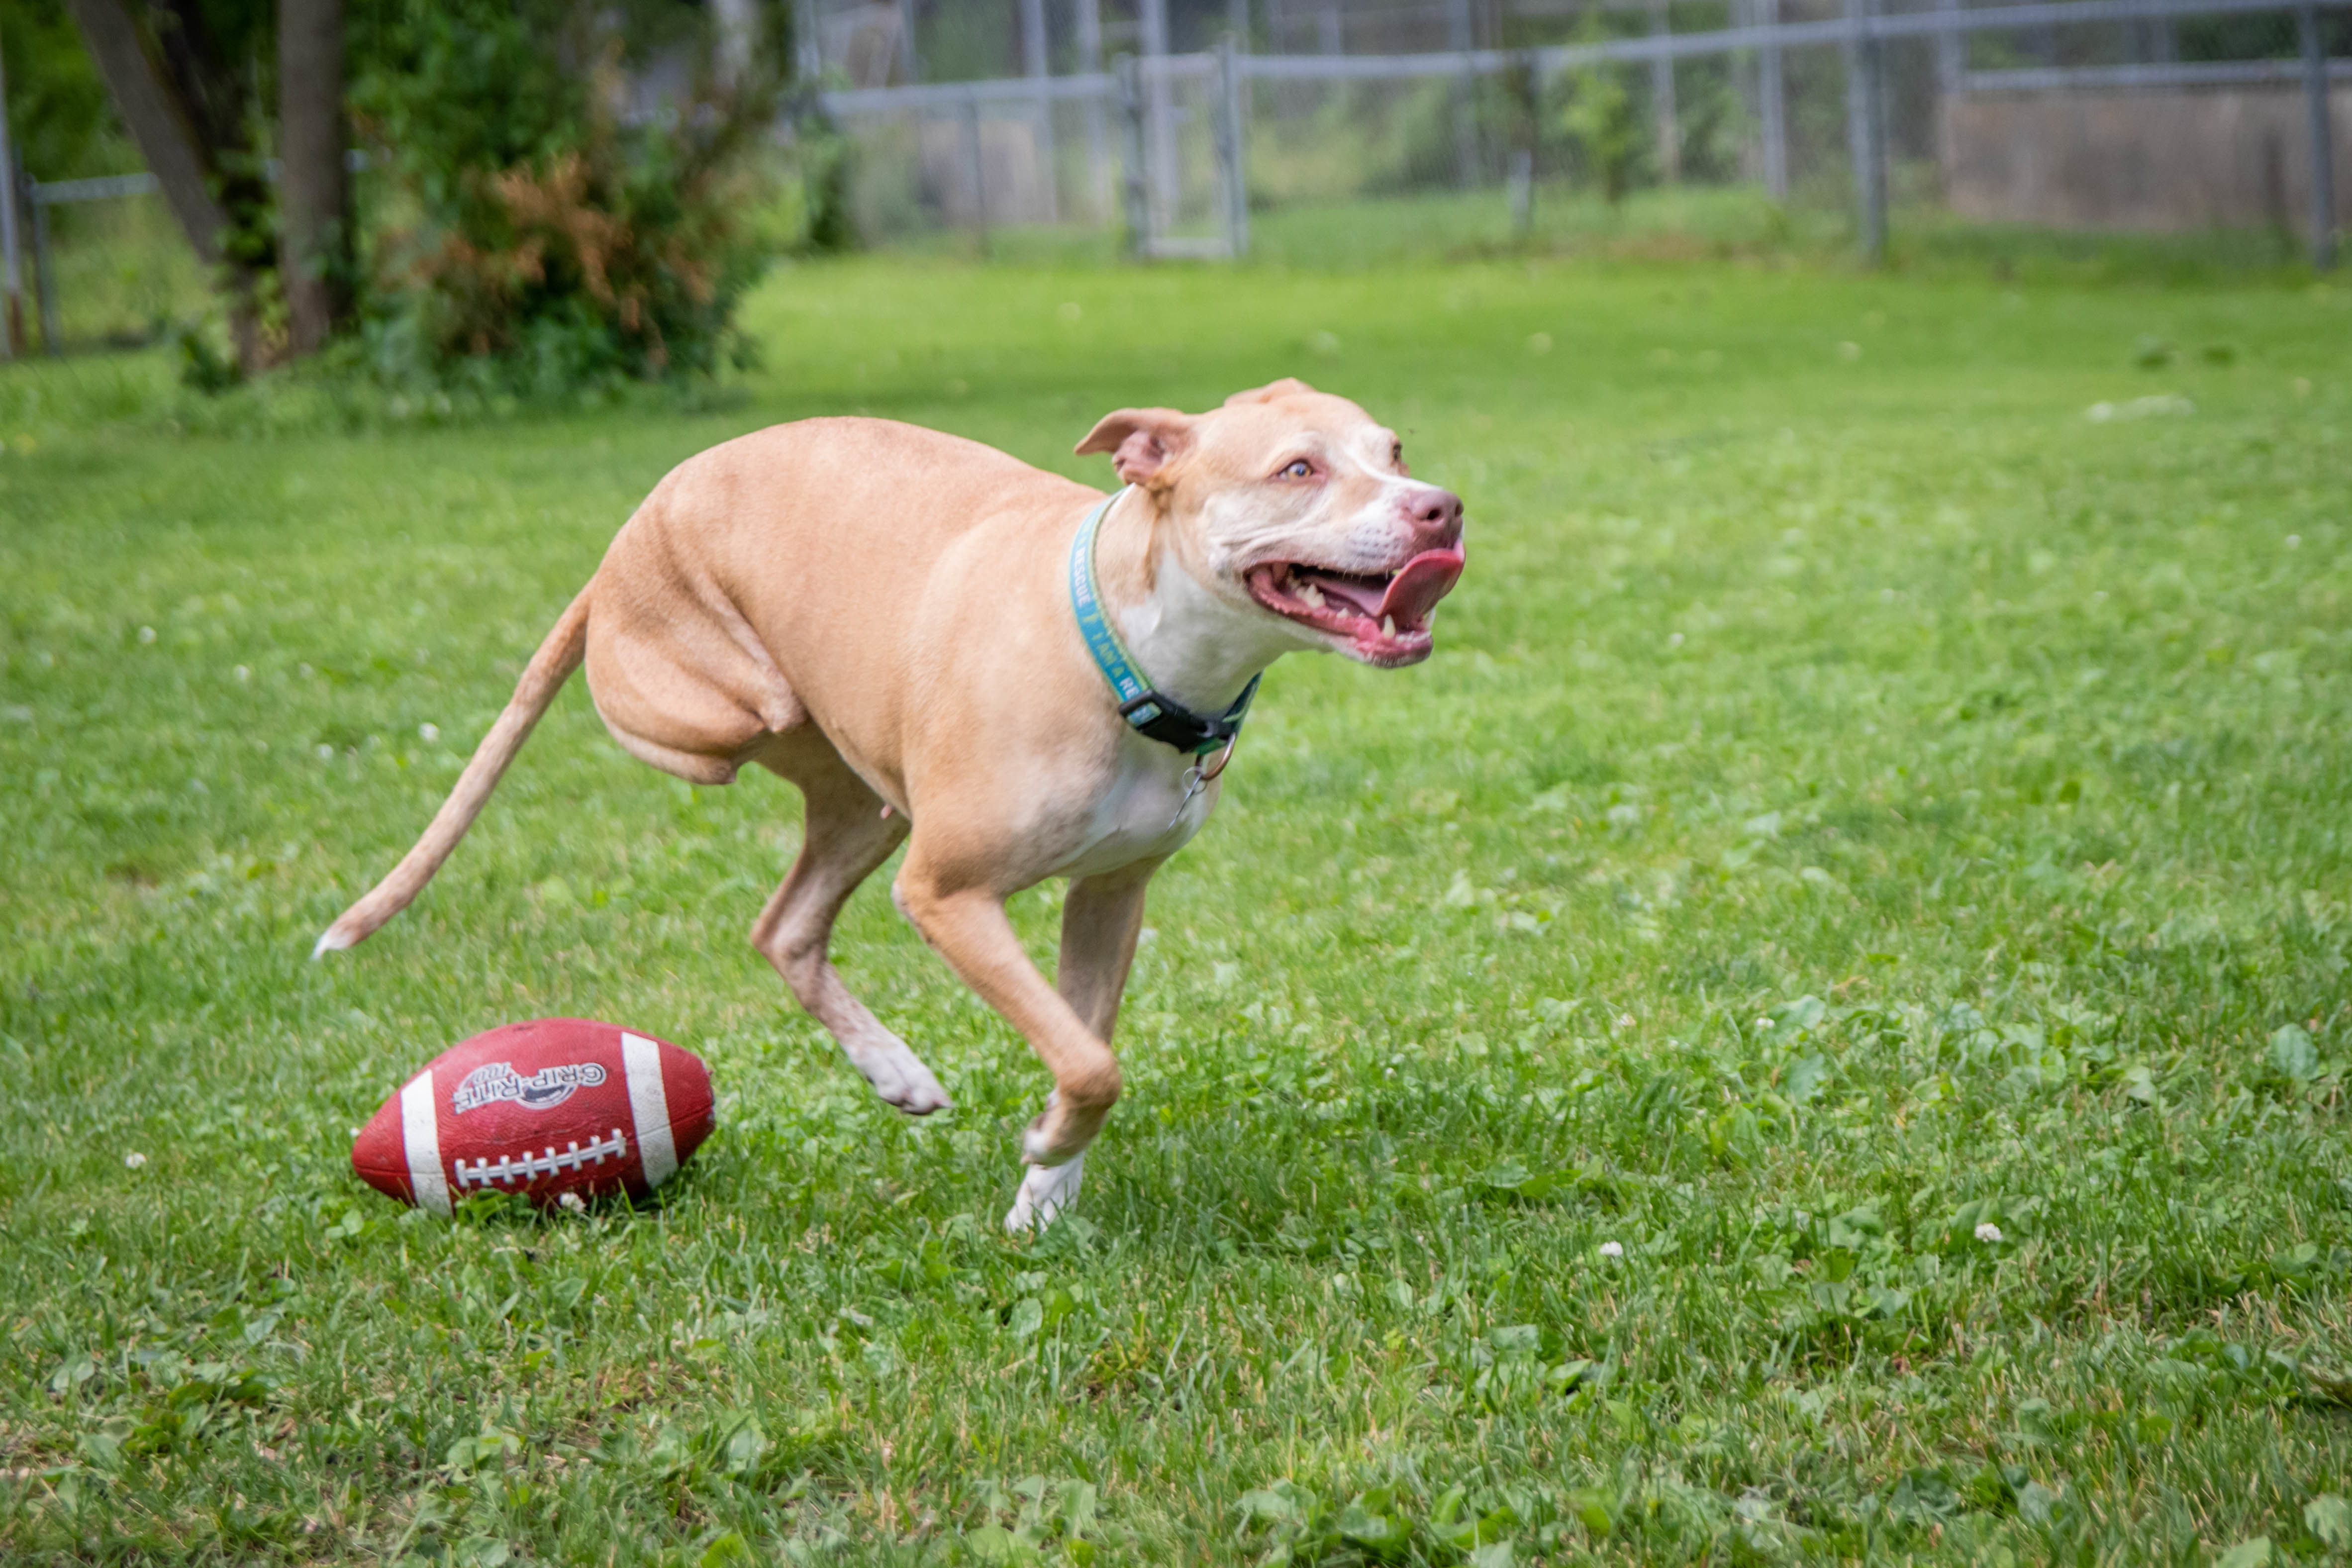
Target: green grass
column 1813, row 230
column 122, row 274
column 1858, row 797
column 124, row 277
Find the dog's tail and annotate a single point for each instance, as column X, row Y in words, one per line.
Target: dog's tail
column 549, row 667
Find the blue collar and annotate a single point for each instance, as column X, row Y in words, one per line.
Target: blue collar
column 1162, row 719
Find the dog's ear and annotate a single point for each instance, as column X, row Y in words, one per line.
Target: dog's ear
column 1288, row 386
column 1142, row 442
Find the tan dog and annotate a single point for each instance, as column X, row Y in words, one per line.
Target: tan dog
column 885, row 615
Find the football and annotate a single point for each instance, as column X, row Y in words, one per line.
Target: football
column 550, row 1108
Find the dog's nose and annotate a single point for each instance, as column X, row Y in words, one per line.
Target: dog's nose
column 1436, row 517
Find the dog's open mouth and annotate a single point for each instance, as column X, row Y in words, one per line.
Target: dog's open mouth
column 1384, row 617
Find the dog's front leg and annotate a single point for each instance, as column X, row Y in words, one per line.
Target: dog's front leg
column 1100, row 922
column 969, row 928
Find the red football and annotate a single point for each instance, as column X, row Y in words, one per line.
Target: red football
column 552, row 1107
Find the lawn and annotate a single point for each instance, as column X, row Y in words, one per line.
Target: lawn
column 1815, row 1027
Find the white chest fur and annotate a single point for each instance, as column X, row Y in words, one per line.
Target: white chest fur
column 1142, row 813
column 1200, row 649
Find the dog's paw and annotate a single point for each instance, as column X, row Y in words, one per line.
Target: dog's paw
column 1045, row 1192
column 899, row 1077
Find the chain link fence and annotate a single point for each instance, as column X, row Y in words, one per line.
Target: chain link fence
column 1340, row 131
column 1709, row 118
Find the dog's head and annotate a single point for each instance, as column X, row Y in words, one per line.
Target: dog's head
column 1297, row 504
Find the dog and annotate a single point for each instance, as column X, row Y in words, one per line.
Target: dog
column 943, row 646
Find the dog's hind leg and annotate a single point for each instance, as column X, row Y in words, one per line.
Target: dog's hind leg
column 847, row 838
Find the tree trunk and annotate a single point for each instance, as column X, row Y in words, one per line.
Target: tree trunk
column 156, row 119
column 314, row 256
column 184, row 110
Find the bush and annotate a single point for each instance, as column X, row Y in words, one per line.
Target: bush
column 552, row 241
column 1601, row 120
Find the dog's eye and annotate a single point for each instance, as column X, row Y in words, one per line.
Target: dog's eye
column 1300, row 469
column 1396, row 455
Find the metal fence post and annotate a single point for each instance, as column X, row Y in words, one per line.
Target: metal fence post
column 12, row 188
column 976, row 166
column 2322, row 149
column 1951, row 54
column 1864, row 138
column 1034, row 56
column 1662, row 100
column 910, row 62
column 1153, row 19
column 808, row 47
column 1330, row 34
column 12, row 328
column 1524, row 82
column 45, row 278
column 1232, row 166
column 1773, row 105
column 1461, row 37
column 1951, row 83
column 1135, row 180
column 1090, row 60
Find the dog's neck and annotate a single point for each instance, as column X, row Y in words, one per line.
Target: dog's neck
column 1191, row 644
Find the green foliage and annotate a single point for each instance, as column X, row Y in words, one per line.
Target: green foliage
column 1427, row 129
column 825, row 158
column 202, row 366
column 1773, row 1046
column 124, row 273
column 1601, row 120
column 1712, row 120
column 557, row 245
column 59, row 118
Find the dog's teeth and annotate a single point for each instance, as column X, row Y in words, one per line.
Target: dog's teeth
column 1310, row 595
column 1388, row 626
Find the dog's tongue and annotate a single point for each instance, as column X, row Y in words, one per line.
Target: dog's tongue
column 1414, row 592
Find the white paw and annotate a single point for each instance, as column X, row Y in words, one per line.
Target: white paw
column 899, row 1077
column 1045, row 1192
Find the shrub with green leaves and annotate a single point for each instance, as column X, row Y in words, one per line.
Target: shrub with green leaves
column 1600, row 119
column 556, row 242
